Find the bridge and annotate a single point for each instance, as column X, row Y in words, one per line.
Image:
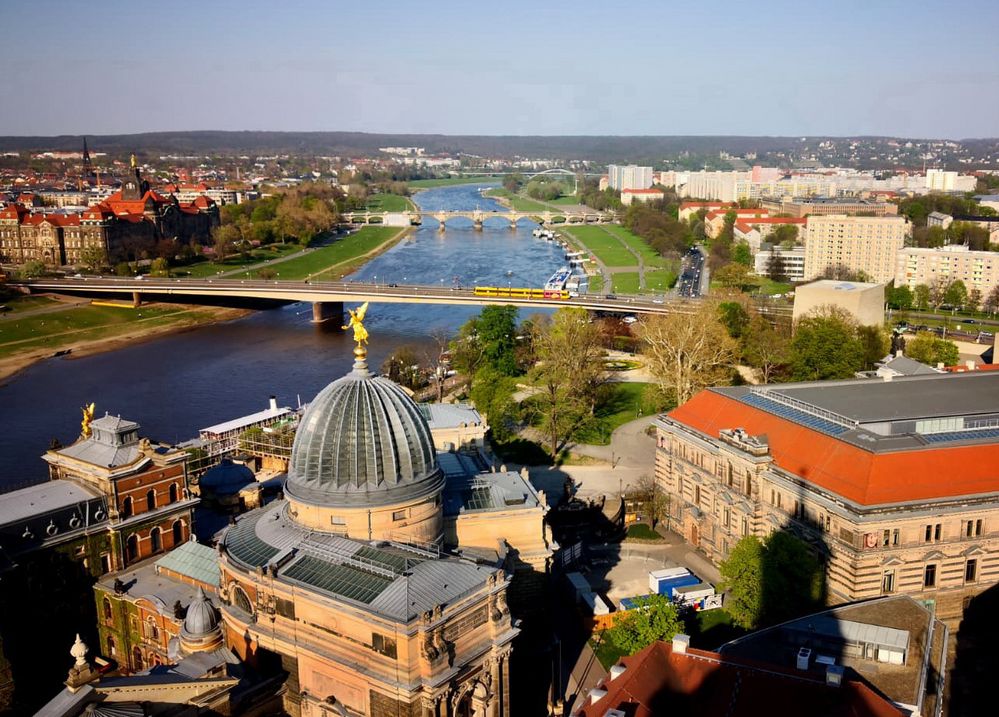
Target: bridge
column 327, row 298
column 479, row 217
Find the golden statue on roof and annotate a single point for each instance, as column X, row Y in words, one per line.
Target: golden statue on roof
column 360, row 333
column 132, row 161
column 88, row 418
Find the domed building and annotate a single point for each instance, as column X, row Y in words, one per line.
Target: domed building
column 345, row 583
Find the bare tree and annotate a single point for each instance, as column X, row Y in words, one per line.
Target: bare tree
column 766, row 347
column 654, row 500
column 436, row 359
column 686, row 353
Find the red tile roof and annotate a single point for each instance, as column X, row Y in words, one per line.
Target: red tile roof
column 862, row 476
column 691, row 205
column 641, row 191
column 658, row 682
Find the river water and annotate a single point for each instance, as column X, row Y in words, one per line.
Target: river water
column 177, row 384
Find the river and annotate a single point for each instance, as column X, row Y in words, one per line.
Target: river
column 174, row 385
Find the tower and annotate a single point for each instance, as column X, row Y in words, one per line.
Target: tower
column 87, row 167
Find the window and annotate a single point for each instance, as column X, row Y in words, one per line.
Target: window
column 399, row 514
column 885, row 538
column 973, row 528
column 728, row 517
column 888, row 581
column 105, row 563
column 126, row 507
column 136, row 659
column 749, row 484
column 745, row 526
column 178, row 532
column 132, row 547
column 930, row 576
column 173, row 493
column 383, row 645
column 111, row 646
column 936, row 532
column 150, row 499
column 697, row 495
column 971, row 571
column 107, row 609
column 152, row 631
column 242, row 600
column 895, row 537
column 156, row 540
column 932, row 533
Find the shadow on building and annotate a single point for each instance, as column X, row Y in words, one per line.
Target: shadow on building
column 976, row 661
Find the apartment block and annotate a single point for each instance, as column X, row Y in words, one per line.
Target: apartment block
column 854, row 244
column 977, row 269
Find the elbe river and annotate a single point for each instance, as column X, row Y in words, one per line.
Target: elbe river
column 175, row 385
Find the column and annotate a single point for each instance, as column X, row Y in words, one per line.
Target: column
column 136, row 299
column 323, row 311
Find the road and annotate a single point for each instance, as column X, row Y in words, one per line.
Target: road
column 693, row 274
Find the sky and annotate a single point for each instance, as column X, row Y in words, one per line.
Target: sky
column 542, row 67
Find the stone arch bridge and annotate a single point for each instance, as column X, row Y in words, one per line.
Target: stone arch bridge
column 478, row 217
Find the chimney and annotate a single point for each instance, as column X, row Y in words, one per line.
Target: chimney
column 834, row 675
column 940, row 365
column 680, row 644
column 970, row 365
column 273, row 403
column 616, row 671
column 596, row 694
column 887, row 377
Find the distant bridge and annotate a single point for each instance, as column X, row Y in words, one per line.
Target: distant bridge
column 327, row 298
column 479, row 217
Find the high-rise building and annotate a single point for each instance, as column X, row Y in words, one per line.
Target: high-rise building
column 629, row 176
column 977, row 269
column 837, row 243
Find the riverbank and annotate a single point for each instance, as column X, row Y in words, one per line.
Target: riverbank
column 108, row 337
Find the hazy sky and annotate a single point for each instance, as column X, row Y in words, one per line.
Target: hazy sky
column 912, row 68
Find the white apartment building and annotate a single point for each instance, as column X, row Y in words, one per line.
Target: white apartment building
column 977, row 269
column 857, row 244
column 940, row 180
column 629, row 176
column 793, row 262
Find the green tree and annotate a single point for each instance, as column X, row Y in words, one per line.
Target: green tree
column 32, row 269
column 734, row 318
column 901, row 297
column 492, row 394
column 741, row 254
column 974, row 299
column 742, row 579
column 568, row 374
column 792, row 578
column 931, row 350
column 776, row 266
column 225, row 238
column 488, row 339
column 991, row 302
column 956, row 294
column 159, row 267
column 876, row 343
column 765, row 348
column 921, row 297
column 736, row 276
column 653, row 618
column 93, row 258
column 825, row 346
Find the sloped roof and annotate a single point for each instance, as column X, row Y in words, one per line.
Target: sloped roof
column 193, row 560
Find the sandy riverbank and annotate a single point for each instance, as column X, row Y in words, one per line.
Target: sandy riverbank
column 11, row 365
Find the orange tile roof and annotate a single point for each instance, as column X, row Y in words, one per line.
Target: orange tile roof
column 864, row 477
column 641, row 191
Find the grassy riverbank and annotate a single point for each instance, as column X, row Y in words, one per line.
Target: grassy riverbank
column 204, row 269
column 389, row 203
column 515, row 201
column 338, row 259
column 450, row 181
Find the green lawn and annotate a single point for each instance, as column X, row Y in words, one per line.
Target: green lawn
column 389, row 203
column 332, row 261
column 604, row 246
column 204, row 269
column 769, row 287
column 61, row 328
column 449, row 181
column 625, row 282
column 608, row 654
column 709, row 629
column 659, row 281
column 517, row 202
column 624, row 402
column 596, row 284
column 642, row 531
column 569, row 200
column 23, row 302
column 650, row 257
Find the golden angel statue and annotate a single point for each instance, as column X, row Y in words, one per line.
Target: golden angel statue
column 357, row 323
column 88, row 417
column 132, row 161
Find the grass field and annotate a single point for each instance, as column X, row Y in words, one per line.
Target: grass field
column 604, row 246
column 61, row 328
column 659, row 281
column 625, row 282
column 211, row 268
column 21, row 303
column 340, row 257
column 649, row 255
column 624, row 402
column 517, row 202
column 596, row 284
column 449, row 181
column 389, row 203
column 569, row 200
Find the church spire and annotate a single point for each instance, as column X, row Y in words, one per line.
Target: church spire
column 86, row 158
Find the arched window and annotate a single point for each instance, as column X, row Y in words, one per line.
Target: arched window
column 136, row 659
column 173, row 492
column 150, row 499
column 152, row 631
column 132, row 547
column 156, row 539
column 111, row 646
column 242, row 600
column 107, row 609
column 126, row 507
column 178, row 532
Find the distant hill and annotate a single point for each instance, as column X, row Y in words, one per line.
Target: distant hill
column 597, row 148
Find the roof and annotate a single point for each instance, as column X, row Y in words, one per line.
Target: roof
column 193, row 560
column 43, row 498
column 641, row 191
column 145, row 582
column 905, row 366
column 837, row 285
column 659, row 681
column 236, row 424
column 392, row 580
column 488, row 491
column 812, row 442
column 101, row 454
column 450, row 415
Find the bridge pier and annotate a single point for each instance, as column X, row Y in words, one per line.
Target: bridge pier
column 323, row 311
column 477, row 225
column 442, row 227
column 136, row 299
column 513, row 225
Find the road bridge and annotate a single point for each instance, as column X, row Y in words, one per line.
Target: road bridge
column 478, row 217
column 328, row 298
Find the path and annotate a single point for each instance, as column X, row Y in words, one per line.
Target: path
column 249, row 268
column 62, row 304
column 638, row 258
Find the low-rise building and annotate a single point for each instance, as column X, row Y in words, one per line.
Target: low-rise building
column 946, row 264
column 641, row 195
column 791, row 266
column 813, row 206
column 890, row 481
column 939, row 219
column 867, row 245
column 689, row 209
column 455, row 426
column 864, row 302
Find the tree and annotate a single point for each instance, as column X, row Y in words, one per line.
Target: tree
column 765, row 348
column 655, row 501
column 956, row 294
column 825, row 346
column 901, row 297
column 974, row 299
column 734, row 318
column 992, row 301
column 492, row 393
column 932, row 350
column 687, row 353
column 487, row 339
column 224, row 240
column 93, row 258
column 653, row 618
column 776, row 266
column 741, row 254
column 568, row 373
column 876, row 344
column 32, row 269
column 736, row 276
column 921, row 297
column 742, row 579
column 159, row 267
